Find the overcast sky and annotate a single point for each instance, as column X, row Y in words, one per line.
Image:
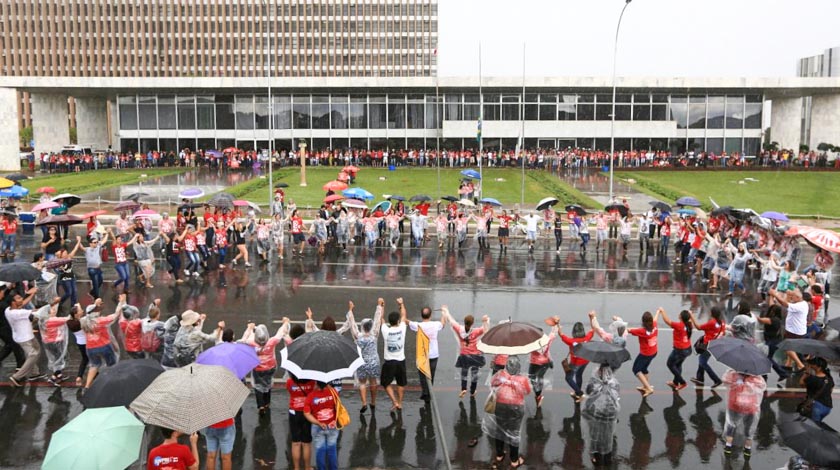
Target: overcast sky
column 740, row 38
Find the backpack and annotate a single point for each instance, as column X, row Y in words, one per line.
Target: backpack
column 149, row 341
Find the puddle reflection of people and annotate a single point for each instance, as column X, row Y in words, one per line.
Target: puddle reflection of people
column 467, row 429
column 705, row 435
column 571, row 433
column 392, row 441
column 263, row 445
column 425, row 440
column 365, row 448
column 640, row 450
column 675, row 431
column 537, row 436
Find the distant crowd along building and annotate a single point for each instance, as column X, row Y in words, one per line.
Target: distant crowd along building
column 135, row 75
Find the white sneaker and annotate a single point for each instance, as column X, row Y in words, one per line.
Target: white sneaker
column 186, row 272
column 247, row 265
column 233, row 262
column 221, row 266
column 195, row 273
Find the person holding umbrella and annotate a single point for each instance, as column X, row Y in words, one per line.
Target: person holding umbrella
column 743, row 407
column 172, row 455
column 320, row 409
column 470, row 359
column 819, row 385
column 712, row 329
column 574, row 373
column 257, row 336
column 509, row 390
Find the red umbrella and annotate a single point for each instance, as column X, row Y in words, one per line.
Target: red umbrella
column 350, row 169
column 96, row 213
column 241, row 203
column 333, row 198
column 335, row 186
column 343, row 177
column 46, row 190
column 820, row 238
column 145, row 213
column 231, row 150
column 45, row 205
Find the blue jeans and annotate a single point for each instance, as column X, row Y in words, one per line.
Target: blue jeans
column 675, row 362
column 819, row 412
column 69, row 287
column 575, row 378
column 663, row 244
column 95, row 275
column 175, row 263
column 325, row 442
column 704, row 366
column 736, row 279
column 194, row 261
column 222, row 254
column 220, row 439
column 9, row 242
column 122, row 273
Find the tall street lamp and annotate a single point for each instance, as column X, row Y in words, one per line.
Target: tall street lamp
column 270, row 112
column 612, row 120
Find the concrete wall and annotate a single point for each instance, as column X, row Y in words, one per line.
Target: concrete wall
column 9, row 138
column 50, row 128
column 825, row 120
column 786, row 122
column 92, row 122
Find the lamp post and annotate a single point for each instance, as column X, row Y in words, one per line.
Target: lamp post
column 302, row 147
column 612, row 119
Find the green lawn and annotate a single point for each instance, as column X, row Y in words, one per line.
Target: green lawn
column 794, row 193
column 89, row 181
column 502, row 184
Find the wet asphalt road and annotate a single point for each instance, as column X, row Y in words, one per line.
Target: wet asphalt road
column 665, row 431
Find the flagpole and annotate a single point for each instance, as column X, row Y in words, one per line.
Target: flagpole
column 480, row 118
column 522, row 130
column 438, row 122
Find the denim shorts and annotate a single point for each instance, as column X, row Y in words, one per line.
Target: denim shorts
column 220, row 439
column 102, row 354
column 642, row 363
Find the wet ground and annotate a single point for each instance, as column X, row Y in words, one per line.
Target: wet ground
column 665, row 431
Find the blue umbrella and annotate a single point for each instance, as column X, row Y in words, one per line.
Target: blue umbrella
column 688, row 201
column 15, row 192
column 773, row 215
column 385, row 205
column 471, row 174
column 491, row 201
column 686, row 212
column 357, row 193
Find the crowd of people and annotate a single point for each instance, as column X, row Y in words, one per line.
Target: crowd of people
column 232, row 158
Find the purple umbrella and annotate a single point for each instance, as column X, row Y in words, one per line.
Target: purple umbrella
column 237, row 357
column 191, row 193
column 773, row 215
column 214, row 153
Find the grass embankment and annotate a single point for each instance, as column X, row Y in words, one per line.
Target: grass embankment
column 791, row 192
column 90, row 181
column 502, row 184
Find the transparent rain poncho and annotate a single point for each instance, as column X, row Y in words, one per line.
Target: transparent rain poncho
column 509, row 390
column 744, row 395
column 743, row 327
column 366, row 334
column 170, row 330
column 601, row 409
column 54, row 334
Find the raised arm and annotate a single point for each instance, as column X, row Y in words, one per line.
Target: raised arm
column 354, row 329
column 248, row 334
column 346, row 325
column 283, row 331
column 76, row 248
column 309, row 324
column 694, row 322
column 403, row 311
column 661, row 312
column 377, row 316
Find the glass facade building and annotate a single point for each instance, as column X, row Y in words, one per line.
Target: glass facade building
column 379, row 119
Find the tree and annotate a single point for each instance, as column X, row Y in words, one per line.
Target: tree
column 26, row 135
column 771, row 146
column 73, row 136
column 825, row 147
column 804, row 148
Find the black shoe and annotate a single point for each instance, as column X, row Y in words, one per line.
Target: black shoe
column 727, row 451
column 697, row 381
column 717, row 384
column 747, row 453
column 363, row 409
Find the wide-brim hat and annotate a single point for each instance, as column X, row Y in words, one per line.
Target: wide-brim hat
column 190, row 318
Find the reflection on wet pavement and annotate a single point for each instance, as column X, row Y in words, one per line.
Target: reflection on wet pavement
column 665, row 431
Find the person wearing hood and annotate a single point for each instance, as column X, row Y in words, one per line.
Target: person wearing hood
column 504, row 423
column 152, row 331
column 190, row 340
column 257, row 336
column 170, row 331
column 738, row 268
column 601, row 411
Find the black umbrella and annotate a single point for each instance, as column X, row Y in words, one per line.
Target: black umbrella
column 69, row 199
column 812, row 347
column 817, row 443
column 601, row 352
column 190, row 205
column 576, row 209
column 121, row 384
column 322, row 355
column 450, row 198
column 126, row 206
column 281, row 185
column 546, row 202
column 136, row 196
column 661, row 206
column 740, row 355
column 725, row 210
column 63, row 219
column 221, row 200
column 420, row 198
column 397, row 198
column 16, row 177
column 742, row 214
column 18, row 272
column 617, row 207
column 512, row 338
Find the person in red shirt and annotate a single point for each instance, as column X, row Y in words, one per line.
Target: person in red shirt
column 9, row 226
column 574, row 377
column 298, row 237
column 121, row 259
column 648, row 335
column 682, row 346
column 510, row 390
column 173, row 456
column 712, row 329
column 320, row 410
column 540, row 361
column 299, row 428
column 504, row 230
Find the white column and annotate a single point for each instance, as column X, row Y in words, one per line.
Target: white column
column 786, row 122
column 114, row 128
column 92, row 122
column 50, row 128
column 9, row 137
column 825, row 120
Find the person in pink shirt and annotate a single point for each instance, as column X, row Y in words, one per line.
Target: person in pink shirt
column 540, row 362
column 505, row 423
column 257, row 336
column 441, row 227
column 648, row 336
column 470, row 359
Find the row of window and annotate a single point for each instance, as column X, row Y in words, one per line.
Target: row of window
column 747, row 146
column 418, row 111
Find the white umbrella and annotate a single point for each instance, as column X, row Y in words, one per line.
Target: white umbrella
column 466, row 202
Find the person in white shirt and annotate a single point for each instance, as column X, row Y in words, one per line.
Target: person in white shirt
column 796, row 322
column 20, row 320
column 531, row 222
column 431, row 328
column 393, row 369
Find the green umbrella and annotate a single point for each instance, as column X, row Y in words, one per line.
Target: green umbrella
column 97, row 439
